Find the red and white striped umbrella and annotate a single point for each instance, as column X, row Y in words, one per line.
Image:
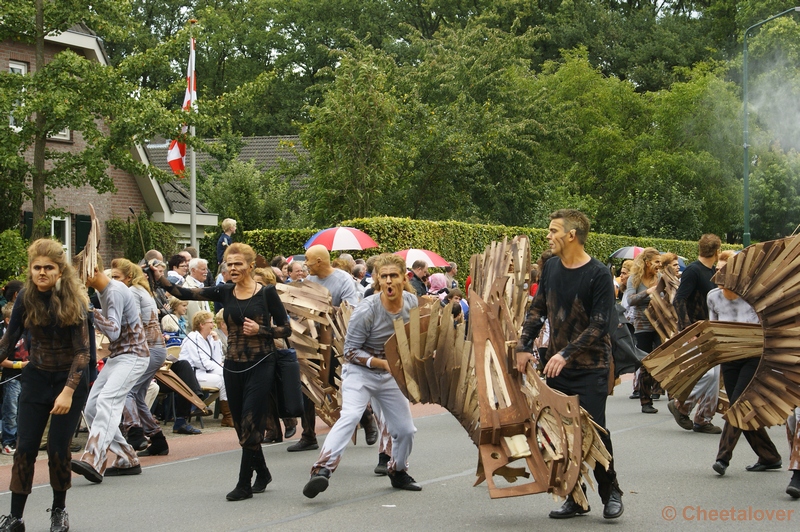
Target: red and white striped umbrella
column 341, row 238
column 431, row 258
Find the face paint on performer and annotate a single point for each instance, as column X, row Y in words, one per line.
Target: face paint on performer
column 391, row 282
column 558, row 237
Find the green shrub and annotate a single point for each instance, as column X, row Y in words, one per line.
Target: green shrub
column 13, row 256
column 455, row 241
column 155, row 235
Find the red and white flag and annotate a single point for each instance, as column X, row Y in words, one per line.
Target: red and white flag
column 176, row 156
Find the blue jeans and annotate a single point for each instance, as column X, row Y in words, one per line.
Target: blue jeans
column 11, row 391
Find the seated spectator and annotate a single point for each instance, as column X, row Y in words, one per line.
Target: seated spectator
column 203, row 350
column 438, row 285
column 456, row 295
column 174, row 324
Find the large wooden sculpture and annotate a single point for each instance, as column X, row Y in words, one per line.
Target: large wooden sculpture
column 509, row 419
column 767, row 276
column 317, row 333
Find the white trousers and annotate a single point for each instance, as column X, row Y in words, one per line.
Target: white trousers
column 103, row 411
column 705, row 395
column 360, row 385
column 212, row 380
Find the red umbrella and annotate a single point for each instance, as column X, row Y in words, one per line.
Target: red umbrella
column 341, row 238
column 628, row 252
column 431, row 258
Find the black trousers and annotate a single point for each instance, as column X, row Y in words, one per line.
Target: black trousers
column 36, row 399
column 591, row 387
column 249, row 385
column 736, row 376
column 647, row 341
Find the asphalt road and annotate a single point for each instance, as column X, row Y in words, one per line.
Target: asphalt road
column 665, row 473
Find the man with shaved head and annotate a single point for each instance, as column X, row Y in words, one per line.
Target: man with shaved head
column 341, row 286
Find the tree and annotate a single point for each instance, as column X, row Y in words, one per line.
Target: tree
column 253, row 198
column 70, row 91
column 349, row 138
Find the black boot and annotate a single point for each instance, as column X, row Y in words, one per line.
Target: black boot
column 158, row 446
column 570, row 508
column 243, row 490
column 136, row 438
column 263, row 476
column 370, row 427
column 793, row 489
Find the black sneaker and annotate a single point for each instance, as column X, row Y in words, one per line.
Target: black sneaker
column 317, row 483
column 403, row 481
column 9, row 523
column 59, row 520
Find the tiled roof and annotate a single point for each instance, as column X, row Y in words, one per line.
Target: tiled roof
column 265, row 152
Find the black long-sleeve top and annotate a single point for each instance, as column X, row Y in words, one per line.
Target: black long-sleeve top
column 690, row 301
column 264, row 307
column 578, row 302
column 53, row 347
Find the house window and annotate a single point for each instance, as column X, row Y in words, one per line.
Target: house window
column 61, row 230
column 64, row 134
column 15, row 67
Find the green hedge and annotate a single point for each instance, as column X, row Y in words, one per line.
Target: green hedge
column 13, row 256
column 455, row 241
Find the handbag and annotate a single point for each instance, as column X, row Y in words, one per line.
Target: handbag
column 287, row 379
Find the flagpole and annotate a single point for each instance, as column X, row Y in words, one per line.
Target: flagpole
column 192, row 168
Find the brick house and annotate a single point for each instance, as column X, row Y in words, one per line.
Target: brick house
column 141, row 193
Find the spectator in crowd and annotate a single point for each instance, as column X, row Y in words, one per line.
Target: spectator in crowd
column 203, row 350
column 419, row 277
column 367, row 280
column 451, row 271
column 175, row 324
column 277, row 260
column 198, row 271
column 178, row 268
column 10, row 291
column 438, row 285
column 359, row 271
column 296, row 272
column 12, row 369
column 225, row 239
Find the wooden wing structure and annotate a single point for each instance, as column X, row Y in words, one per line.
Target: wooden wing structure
column 509, row 418
column 660, row 312
column 767, row 276
column 86, row 260
column 317, row 335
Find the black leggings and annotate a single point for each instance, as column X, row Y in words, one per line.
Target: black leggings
column 37, row 397
column 647, row 341
column 248, row 393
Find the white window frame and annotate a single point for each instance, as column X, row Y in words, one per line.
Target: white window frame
column 22, row 69
column 66, row 244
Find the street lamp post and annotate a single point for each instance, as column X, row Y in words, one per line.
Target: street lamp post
column 746, row 174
